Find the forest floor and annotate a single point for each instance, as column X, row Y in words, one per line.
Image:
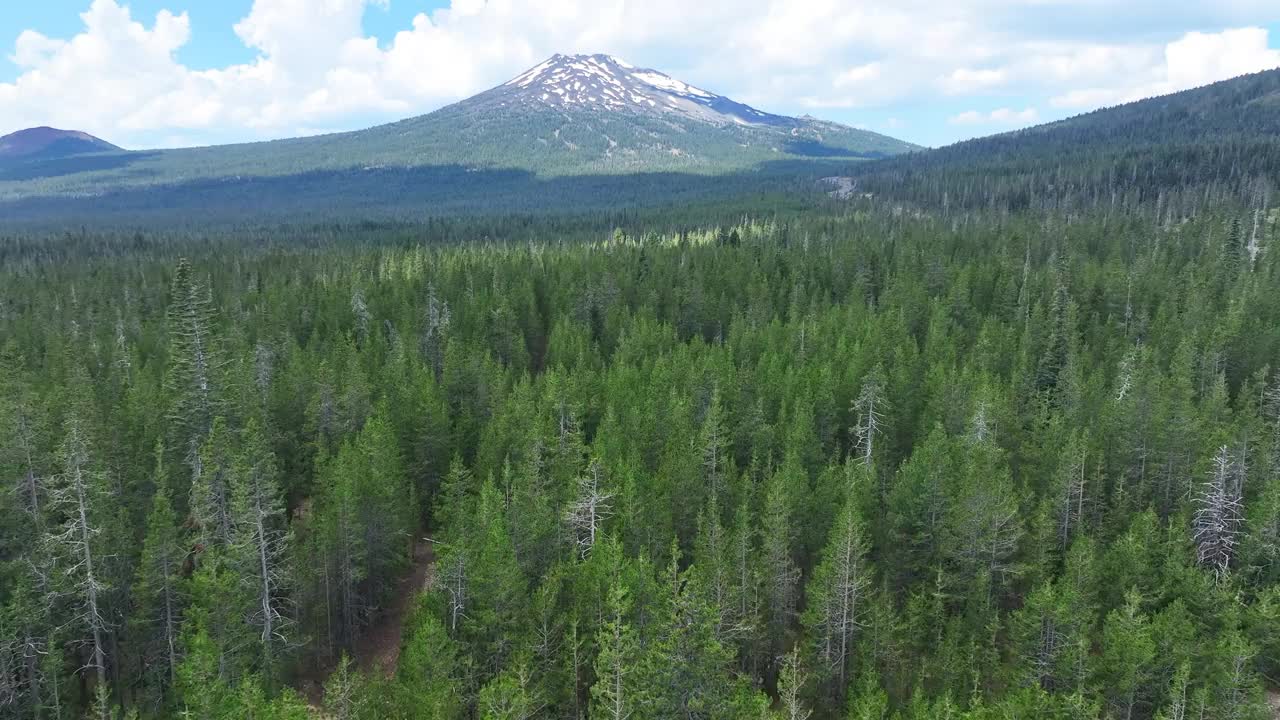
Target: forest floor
column 1273, row 699
column 379, row 647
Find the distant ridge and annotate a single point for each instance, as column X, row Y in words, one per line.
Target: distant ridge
column 1186, row 148
column 40, row 143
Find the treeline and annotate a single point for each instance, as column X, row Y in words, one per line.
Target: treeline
column 270, row 206
column 871, row 467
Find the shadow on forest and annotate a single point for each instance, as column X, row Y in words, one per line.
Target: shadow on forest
column 421, row 192
column 72, row 164
column 815, row 149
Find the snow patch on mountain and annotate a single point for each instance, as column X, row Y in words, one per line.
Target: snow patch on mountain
column 662, row 82
column 606, row 83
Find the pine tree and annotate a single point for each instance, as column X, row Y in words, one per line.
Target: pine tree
column 1235, row 692
column 685, row 670
column 791, row 688
column 211, row 489
column 781, row 574
column 77, row 496
column 495, row 585
column 1058, row 345
column 435, row 332
column 510, row 696
column 428, row 670
column 1069, row 493
column 1051, row 638
column 982, row 527
column 531, row 514
column 344, row 544
column 261, row 541
column 194, row 363
column 1177, row 707
column 21, row 422
column 917, row 511
column 366, row 520
column 343, row 692
column 1128, row 653
column 201, row 686
column 714, row 563
column 868, row 701
column 837, row 597
column 717, row 450
column 159, row 592
column 218, row 609
column 613, row 695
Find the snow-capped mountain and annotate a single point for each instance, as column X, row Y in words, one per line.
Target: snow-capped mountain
column 569, row 115
column 609, row 83
column 597, row 113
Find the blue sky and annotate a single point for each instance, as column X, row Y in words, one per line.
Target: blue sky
column 213, row 42
column 158, row 73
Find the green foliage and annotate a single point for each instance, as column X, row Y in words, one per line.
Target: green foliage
column 430, row 673
column 646, row 475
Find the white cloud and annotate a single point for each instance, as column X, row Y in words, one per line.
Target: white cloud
column 1005, row 115
column 858, row 75
column 964, row 81
column 999, row 116
column 1193, row 60
column 316, row 70
column 33, row 49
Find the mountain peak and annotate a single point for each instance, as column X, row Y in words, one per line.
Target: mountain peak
column 45, row 142
column 603, row 82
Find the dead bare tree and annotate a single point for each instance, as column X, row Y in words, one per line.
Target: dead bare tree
column 261, row 540
column 868, row 409
column 589, row 509
column 1219, row 514
column 74, row 493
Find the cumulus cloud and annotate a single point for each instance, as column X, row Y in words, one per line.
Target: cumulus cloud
column 315, row 68
column 858, row 75
column 964, row 81
column 1193, row 60
column 999, row 116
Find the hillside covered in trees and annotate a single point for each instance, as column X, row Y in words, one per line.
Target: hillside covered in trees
column 860, row 465
column 1168, row 156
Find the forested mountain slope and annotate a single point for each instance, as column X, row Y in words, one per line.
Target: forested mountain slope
column 875, row 467
column 1169, row 155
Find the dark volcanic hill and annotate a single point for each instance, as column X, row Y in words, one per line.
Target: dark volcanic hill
column 41, row 143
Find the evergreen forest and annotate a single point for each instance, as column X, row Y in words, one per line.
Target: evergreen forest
column 863, row 462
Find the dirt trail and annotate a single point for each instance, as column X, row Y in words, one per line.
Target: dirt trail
column 379, row 647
